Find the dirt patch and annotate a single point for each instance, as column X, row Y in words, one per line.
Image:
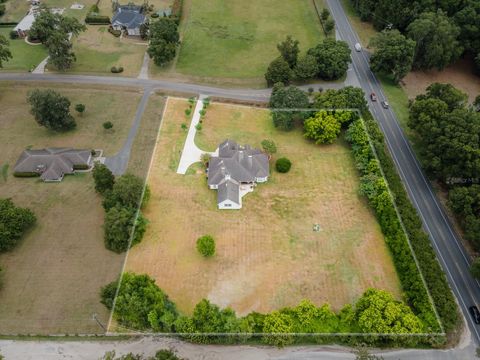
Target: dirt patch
column 459, row 75
column 268, row 255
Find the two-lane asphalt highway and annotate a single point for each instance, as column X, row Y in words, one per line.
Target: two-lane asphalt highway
column 451, row 254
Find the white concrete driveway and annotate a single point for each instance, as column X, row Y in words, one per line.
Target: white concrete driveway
column 191, row 153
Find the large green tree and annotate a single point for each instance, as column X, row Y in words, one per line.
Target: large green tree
column 348, row 97
column 378, row 312
column 393, row 54
column 60, row 52
column 465, row 203
column 47, row 23
column 278, row 72
column 332, row 57
column 288, row 105
column 306, row 67
column 14, row 222
column 323, row 128
column 142, row 305
column 119, row 223
column 126, row 192
column 468, row 20
column 51, row 109
column 289, row 51
column 5, row 53
column 164, row 38
column 103, row 178
column 449, row 134
column 436, row 40
column 450, row 95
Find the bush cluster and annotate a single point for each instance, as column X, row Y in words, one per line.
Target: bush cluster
column 283, row 165
column 114, row 32
column 206, row 245
column 116, row 70
column 432, row 272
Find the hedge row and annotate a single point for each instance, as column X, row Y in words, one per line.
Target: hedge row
column 432, row 272
column 375, row 188
column 97, row 20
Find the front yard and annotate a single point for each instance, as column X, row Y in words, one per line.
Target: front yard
column 52, row 279
column 268, row 255
column 24, row 56
column 97, row 51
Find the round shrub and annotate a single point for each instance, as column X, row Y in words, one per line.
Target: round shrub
column 283, row 165
column 206, row 245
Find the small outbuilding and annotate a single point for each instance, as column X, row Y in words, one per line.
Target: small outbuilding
column 52, row 164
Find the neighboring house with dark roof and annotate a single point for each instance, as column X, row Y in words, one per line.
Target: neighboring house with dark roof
column 52, row 164
column 235, row 171
column 128, row 18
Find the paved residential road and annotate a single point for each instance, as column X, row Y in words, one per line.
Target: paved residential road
column 238, row 94
column 451, row 254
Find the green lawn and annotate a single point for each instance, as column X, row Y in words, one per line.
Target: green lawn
column 97, row 51
column 238, row 38
column 24, row 56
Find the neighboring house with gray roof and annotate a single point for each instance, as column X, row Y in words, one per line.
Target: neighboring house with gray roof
column 235, row 171
column 128, row 18
column 52, row 164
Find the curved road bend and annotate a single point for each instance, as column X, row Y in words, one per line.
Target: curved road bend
column 451, row 253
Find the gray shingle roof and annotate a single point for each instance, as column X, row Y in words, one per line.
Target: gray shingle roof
column 242, row 163
column 229, row 190
column 128, row 16
column 235, row 164
column 52, row 163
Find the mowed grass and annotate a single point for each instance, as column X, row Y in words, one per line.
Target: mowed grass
column 142, row 150
column 51, row 281
column 238, row 38
column 24, row 56
column 268, row 255
column 97, row 51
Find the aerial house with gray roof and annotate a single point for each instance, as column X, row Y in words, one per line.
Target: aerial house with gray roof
column 128, row 18
column 235, row 171
column 52, row 164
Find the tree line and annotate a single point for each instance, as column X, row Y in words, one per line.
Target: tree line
column 441, row 31
column 328, row 60
column 122, row 198
column 140, row 304
column 448, row 133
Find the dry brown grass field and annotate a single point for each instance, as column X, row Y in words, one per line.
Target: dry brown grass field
column 268, row 255
column 51, row 281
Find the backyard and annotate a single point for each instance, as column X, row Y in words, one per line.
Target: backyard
column 52, row 279
column 268, row 255
column 237, row 39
